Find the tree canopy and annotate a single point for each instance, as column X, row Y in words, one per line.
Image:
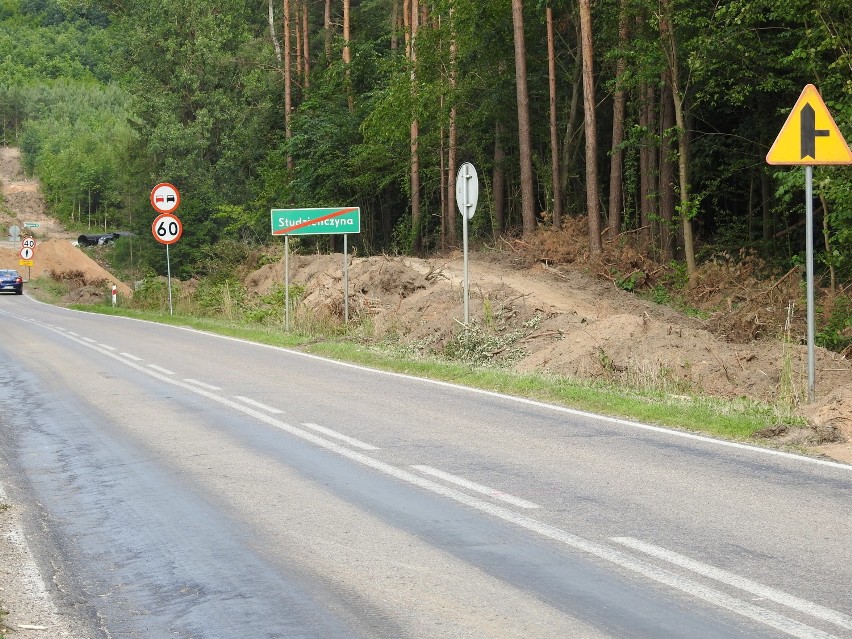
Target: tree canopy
column 108, row 97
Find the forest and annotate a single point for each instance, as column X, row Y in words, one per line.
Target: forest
column 646, row 121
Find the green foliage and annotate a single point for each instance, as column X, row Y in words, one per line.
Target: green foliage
column 628, row 282
column 836, row 334
column 107, row 98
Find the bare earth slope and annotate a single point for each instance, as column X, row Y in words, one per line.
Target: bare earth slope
column 579, row 325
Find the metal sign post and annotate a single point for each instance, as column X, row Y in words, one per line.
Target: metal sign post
column 166, row 227
column 809, row 137
column 467, row 194
column 346, row 278
column 287, row 283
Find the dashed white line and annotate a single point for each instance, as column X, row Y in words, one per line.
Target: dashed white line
column 357, row 443
column 160, row 369
column 261, row 406
column 129, row 356
column 108, row 347
column 90, row 340
column 73, row 333
column 617, row 557
column 195, row 382
column 479, row 488
column 725, row 577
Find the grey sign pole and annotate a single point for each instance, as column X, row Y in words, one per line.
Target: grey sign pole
column 467, row 194
column 169, row 270
column 287, row 283
column 346, row 278
column 809, row 259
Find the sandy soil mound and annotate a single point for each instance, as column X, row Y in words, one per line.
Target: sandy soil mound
column 576, row 324
column 63, row 261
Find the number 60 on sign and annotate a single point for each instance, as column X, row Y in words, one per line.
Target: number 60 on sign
column 167, row 228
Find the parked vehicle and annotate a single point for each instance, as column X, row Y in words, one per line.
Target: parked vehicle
column 11, row 282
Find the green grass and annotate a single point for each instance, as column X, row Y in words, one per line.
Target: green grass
column 735, row 419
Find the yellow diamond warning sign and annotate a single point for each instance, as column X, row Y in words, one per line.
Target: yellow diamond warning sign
column 810, row 135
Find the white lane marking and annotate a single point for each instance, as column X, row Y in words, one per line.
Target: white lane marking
column 73, row 333
column 357, row 443
column 189, row 380
column 612, row 555
column 478, row 391
column 529, row 402
column 731, row 579
column 261, row 406
column 90, row 340
column 470, row 485
column 29, row 575
column 133, row 357
column 160, row 369
column 108, row 347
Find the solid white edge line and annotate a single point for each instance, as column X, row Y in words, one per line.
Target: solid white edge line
column 521, row 400
column 357, row 443
column 471, row 485
column 160, row 369
column 606, row 553
column 261, row 406
column 30, row 573
column 196, row 382
column 731, row 579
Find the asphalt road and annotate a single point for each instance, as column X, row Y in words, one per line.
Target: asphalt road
column 198, row 486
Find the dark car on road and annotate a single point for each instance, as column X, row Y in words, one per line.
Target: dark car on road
column 11, row 282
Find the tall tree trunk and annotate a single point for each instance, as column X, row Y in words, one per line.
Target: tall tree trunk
column 616, row 161
column 297, row 33
column 275, row 44
column 569, row 155
column 670, row 45
column 395, row 18
column 592, row 204
column 347, row 55
column 327, row 30
column 667, row 170
column 452, row 151
column 288, row 84
column 498, row 180
column 554, row 136
column 417, row 236
column 647, row 160
column 306, row 48
column 524, row 128
column 766, row 199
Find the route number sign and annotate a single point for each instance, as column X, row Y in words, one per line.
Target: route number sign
column 165, row 198
column 28, row 242
column 167, row 228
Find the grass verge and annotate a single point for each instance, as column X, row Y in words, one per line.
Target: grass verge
column 735, row 419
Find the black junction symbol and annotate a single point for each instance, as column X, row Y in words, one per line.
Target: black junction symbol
column 810, row 133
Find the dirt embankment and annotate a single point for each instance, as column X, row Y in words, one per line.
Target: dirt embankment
column 544, row 306
column 569, row 321
column 55, row 255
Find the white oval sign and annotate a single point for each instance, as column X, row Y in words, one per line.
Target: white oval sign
column 467, row 189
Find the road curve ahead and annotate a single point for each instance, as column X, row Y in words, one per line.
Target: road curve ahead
column 205, row 487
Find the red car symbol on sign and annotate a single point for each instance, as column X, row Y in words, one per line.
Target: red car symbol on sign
column 159, row 199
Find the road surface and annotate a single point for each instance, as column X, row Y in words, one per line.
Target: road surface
column 187, row 485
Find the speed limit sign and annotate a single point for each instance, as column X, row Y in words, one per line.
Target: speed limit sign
column 28, row 242
column 167, row 228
